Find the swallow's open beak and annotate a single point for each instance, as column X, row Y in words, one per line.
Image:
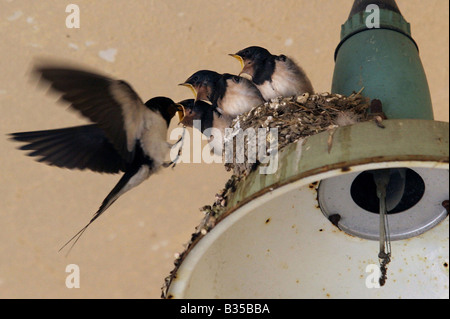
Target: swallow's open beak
column 239, row 58
column 246, row 69
column 202, row 94
column 181, row 111
column 190, row 86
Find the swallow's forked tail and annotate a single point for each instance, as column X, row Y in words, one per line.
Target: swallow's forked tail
column 129, row 180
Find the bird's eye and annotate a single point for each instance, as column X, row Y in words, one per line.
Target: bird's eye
column 236, row 79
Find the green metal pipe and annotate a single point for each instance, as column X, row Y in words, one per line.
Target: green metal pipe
column 377, row 53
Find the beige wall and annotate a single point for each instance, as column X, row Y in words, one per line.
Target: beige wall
column 129, row 251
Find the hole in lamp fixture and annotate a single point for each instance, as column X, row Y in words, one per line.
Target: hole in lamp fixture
column 406, row 189
column 416, row 198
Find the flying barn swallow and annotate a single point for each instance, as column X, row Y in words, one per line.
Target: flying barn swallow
column 127, row 135
column 273, row 75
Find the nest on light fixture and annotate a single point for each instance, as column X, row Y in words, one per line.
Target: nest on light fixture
column 295, row 118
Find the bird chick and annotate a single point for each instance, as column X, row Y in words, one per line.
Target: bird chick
column 273, row 75
column 229, row 94
column 197, row 110
column 226, row 95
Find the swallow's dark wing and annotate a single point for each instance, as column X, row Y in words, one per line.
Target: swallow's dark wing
column 82, row 147
column 112, row 104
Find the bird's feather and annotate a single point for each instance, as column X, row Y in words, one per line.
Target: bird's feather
column 79, row 147
column 133, row 177
column 112, row 104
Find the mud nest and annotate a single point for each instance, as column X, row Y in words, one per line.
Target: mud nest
column 293, row 119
